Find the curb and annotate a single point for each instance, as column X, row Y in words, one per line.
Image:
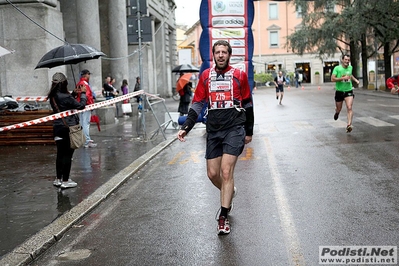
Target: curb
column 28, row 251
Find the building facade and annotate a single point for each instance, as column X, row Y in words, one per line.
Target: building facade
column 273, row 22
column 102, row 24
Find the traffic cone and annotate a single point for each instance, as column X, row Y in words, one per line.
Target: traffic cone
column 303, row 87
column 289, row 87
column 319, row 88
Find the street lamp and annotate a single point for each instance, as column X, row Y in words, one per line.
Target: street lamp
column 376, row 63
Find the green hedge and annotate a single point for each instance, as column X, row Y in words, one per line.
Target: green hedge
column 263, row 77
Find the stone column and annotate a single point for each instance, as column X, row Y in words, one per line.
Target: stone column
column 18, row 76
column 117, row 26
column 88, row 28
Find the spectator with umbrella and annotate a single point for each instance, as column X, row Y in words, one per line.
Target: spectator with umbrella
column 61, row 100
column 183, row 87
column 69, row 54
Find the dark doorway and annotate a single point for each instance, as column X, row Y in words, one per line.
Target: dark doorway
column 305, row 68
column 328, row 69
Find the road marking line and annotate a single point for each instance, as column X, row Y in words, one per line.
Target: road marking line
column 248, row 155
column 194, row 156
column 270, row 128
column 287, row 222
column 375, row 122
column 176, row 158
column 336, row 124
column 394, row 116
column 389, row 105
column 302, row 125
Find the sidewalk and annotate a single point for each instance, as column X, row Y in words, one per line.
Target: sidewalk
column 35, row 214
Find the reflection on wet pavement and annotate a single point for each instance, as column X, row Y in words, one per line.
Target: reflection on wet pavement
column 28, row 199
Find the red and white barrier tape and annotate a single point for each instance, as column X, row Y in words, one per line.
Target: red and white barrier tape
column 31, row 98
column 71, row 112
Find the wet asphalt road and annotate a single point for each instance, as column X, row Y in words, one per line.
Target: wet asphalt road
column 28, row 199
column 302, row 183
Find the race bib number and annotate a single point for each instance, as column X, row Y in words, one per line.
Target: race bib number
column 221, row 94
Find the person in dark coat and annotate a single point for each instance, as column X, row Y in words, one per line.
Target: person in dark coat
column 137, row 88
column 61, row 100
column 185, row 98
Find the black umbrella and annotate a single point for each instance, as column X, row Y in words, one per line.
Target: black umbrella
column 68, row 54
column 185, row 68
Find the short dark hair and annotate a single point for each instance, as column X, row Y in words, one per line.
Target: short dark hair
column 224, row 43
column 345, row 55
column 84, row 72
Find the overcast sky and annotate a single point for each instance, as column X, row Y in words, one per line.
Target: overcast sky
column 187, row 11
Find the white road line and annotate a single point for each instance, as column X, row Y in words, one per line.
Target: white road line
column 302, row 125
column 270, row 128
column 375, row 122
column 389, row 105
column 287, row 222
column 336, row 124
column 394, row 116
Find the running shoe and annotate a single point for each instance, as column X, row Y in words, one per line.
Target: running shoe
column 68, row 184
column 349, row 129
column 223, row 226
column 336, row 116
column 91, row 144
column 57, row 182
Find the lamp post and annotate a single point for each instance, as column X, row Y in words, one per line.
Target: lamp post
column 142, row 97
column 376, row 62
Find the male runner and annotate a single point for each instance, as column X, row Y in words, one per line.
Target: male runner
column 343, row 77
column 229, row 123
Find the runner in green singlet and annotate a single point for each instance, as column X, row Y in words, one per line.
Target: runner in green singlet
column 343, row 77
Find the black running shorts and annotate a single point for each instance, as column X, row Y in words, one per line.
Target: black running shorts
column 341, row 95
column 230, row 141
column 280, row 88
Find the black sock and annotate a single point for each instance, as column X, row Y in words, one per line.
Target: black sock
column 223, row 212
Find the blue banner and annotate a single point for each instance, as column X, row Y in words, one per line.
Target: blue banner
column 229, row 20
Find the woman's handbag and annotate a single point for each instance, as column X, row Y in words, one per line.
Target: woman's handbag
column 76, row 136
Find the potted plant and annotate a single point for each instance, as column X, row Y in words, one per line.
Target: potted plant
column 371, row 76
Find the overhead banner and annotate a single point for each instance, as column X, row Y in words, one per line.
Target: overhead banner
column 229, row 20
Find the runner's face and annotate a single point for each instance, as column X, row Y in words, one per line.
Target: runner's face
column 221, row 57
column 345, row 61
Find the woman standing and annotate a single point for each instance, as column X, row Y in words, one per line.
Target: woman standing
column 61, row 100
column 125, row 90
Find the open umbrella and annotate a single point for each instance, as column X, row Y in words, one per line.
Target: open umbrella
column 68, row 54
column 185, row 68
column 182, row 81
